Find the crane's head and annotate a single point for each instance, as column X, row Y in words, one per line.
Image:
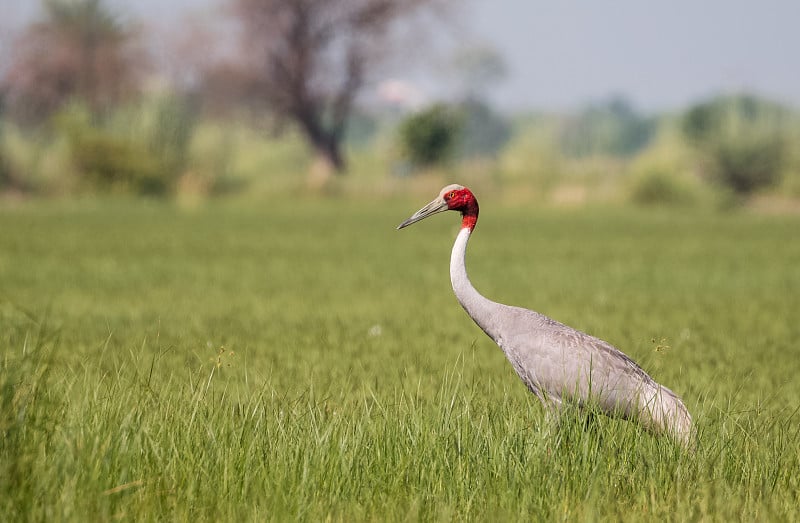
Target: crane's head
column 452, row 198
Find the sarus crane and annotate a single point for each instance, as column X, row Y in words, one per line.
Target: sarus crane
column 558, row 363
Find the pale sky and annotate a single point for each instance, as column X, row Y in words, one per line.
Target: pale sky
column 563, row 54
column 661, row 54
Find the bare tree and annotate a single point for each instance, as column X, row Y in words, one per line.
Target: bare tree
column 79, row 49
column 311, row 58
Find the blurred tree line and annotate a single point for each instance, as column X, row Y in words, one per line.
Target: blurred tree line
column 299, row 63
column 86, row 105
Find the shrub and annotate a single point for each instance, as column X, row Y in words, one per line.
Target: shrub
column 142, row 148
column 741, row 141
column 429, row 137
column 664, row 174
column 110, row 163
column 745, row 164
column 659, row 187
column 106, row 160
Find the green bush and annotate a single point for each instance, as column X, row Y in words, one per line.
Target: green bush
column 37, row 161
column 105, row 160
column 659, row 187
column 746, row 164
column 142, row 149
column 665, row 174
column 429, row 137
column 110, row 163
column 741, row 141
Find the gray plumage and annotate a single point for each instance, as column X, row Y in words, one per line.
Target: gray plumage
column 557, row 362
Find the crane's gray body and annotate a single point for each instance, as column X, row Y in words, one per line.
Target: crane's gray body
column 558, row 363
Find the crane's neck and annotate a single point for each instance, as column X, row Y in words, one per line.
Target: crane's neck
column 476, row 305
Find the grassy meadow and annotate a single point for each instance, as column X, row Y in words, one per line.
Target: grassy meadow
column 302, row 360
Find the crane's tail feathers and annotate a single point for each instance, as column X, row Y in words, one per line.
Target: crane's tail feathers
column 663, row 412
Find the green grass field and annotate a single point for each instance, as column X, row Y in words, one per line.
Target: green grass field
column 305, row 361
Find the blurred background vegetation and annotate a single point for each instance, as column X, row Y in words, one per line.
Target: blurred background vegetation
column 87, row 108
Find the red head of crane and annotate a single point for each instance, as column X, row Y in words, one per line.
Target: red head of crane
column 556, row 362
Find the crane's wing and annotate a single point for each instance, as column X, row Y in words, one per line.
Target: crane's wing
column 558, row 363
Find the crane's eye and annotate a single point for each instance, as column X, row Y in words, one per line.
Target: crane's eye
column 452, row 194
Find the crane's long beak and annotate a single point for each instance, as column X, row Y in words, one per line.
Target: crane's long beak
column 436, row 206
